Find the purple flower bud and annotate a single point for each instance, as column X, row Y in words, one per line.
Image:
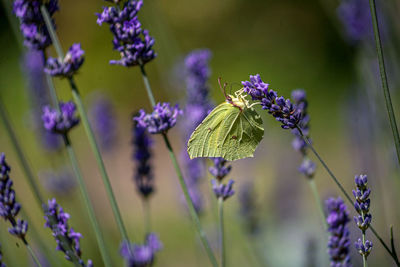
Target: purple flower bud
column 19, row 229
column 71, row 63
column 141, row 255
column 60, row 121
column 162, row 118
column 221, row 190
column 219, row 170
column 364, row 250
column 307, row 168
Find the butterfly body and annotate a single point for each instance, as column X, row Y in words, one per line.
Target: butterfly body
column 231, row 131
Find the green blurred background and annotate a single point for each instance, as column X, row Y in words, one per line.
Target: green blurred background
column 292, row 44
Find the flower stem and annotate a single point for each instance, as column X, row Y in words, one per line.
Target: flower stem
column 189, row 202
column 385, row 86
column 88, row 204
column 34, row 257
column 317, row 198
column 222, row 231
column 346, row 195
column 184, row 187
column 18, row 150
column 88, row 129
column 147, row 215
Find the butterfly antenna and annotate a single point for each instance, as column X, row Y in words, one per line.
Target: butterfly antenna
column 223, row 88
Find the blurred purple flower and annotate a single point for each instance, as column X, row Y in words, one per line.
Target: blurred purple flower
column 362, row 205
column 162, row 118
column 219, row 170
column 32, row 23
column 68, row 241
column 60, row 121
column 280, row 108
column 221, row 190
column 141, row 255
column 248, row 208
column 133, row 43
column 9, row 207
column 142, row 154
column 339, row 241
column 33, row 67
column 104, row 121
column 67, row 67
column 61, row 183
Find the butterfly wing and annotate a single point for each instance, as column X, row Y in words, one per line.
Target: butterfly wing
column 227, row 132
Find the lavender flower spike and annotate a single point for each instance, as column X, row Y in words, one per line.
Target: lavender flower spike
column 363, row 220
column 141, row 255
column 339, row 241
column 134, row 44
column 280, row 108
column 221, row 190
column 62, row 121
column 9, row 207
column 162, row 118
column 142, row 154
column 67, row 67
column 67, row 239
column 219, row 170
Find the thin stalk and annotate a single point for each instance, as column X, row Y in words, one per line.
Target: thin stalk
column 333, row 177
column 385, row 85
column 192, row 210
column 364, row 257
column 88, row 204
column 317, row 199
column 222, row 231
column 88, row 129
column 189, row 202
column 34, row 257
column 147, row 215
column 20, row 155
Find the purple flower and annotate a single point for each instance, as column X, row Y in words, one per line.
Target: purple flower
column 160, row 120
column 142, row 155
column 134, row 44
column 248, row 208
column 339, row 242
column 67, row 67
column 307, row 168
column 9, row 207
column 60, row 121
column 32, row 23
column 356, row 19
column 221, row 190
column 33, row 67
column 68, row 241
column 61, row 183
column 102, row 114
column 280, row 108
column 362, row 205
column 141, row 255
column 219, row 170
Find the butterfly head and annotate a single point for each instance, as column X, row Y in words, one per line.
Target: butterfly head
column 238, row 100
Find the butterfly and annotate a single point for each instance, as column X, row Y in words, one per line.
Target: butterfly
column 231, row 131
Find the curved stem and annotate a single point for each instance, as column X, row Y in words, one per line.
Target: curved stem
column 88, row 204
column 346, row 194
column 317, row 198
column 385, row 86
column 147, row 85
column 34, row 257
column 189, row 202
column 222, row 231
column 53, row 34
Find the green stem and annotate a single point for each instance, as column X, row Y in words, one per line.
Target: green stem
column 317, row 199
column 147, row 85
column 18, row 150
column 385, row 86
column 222, row 231
column 88, row 204
column 189, row 202
column 363, row 256
column 333, row 177
column 147, row 215
column 88, row 129
column 34, row 257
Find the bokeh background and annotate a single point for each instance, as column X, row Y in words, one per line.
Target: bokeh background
column 292, row 44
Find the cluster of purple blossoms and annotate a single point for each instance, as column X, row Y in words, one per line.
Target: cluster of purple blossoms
column 142, row 154
column 60, row 121
column 9, row 207
column 68, row 241
column 60, row 182
column 32, row 24
column 356, row 19
column 141, row 255
column 133, row 43
column 248, row 208
column 103, row 119
column 39, row 97
column 219, row 171
column 282, row 109
column 339, row 241
column 67, row 66
column 162, row 118
column 362, row 205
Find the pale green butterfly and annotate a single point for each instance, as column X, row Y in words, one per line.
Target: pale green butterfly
column 231, row 131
